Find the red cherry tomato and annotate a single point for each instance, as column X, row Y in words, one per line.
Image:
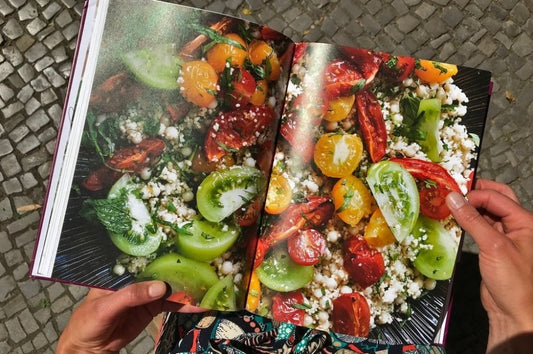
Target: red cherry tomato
column 364, row 264
column 248, row 215
column 182, row 297
column 367, row 61
column 351, row 315
column 306, row 247
column 433, row 202
column 284, row 309
column 299, row 51
column 342, row 79
column 238, row 91
column 397, row 67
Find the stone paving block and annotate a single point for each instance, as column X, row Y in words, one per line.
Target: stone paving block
column 5, row 243
column 27, row 12
column 32, row 105
column 7, row 286
column 35, row 26
column 12, row 29
column 6, row 69
column 16, row 333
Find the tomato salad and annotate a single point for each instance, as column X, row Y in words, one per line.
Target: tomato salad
column 183, row 140
column 356, row 226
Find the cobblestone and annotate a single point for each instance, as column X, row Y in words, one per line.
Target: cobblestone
column 37, row 40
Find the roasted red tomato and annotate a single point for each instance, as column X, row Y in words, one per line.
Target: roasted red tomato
column 367, row 61
column 236, row 129
column 364, row 264
column 396, row 67
column 351, row 315
column 299, row 51
column 285, row 307
column 248, row 215
column 426, row 170
column 238, row 87
column 342, row 78
column 300, row 119
column 306, row 247
column 372, row 124
column 433, row 201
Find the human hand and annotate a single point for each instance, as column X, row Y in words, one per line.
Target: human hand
column 503, row 230
column 107, row 320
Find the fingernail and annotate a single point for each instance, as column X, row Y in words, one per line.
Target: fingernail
column 455, row 200
column 157, row 289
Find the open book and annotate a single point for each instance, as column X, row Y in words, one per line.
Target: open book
column 300, row 181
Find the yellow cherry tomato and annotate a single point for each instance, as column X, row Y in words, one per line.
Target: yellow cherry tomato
column 338, row 155
column 198, row 83
column 254, row 293
column 260, row 53
column 352, row 200
column 221, row 52
column 258, row 98
column 279, row 195
column 339, row 108
column 377, row 232
column 431, row 71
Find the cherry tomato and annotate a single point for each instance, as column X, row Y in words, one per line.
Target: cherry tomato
column 364, row 264
column 377, row 232
column 306, row 247
column 396, row 67
column 269, row 33
column 299, row 121
column 239, row 91
column 433, row 201
column 220, row 53
column 249, row 214
column 299, row 51
column 432, row 71
column 352, row 200
column 342, row 79
column 366, row 61
column 198, row 83
column 260, row 53
column 260, row 93
column 182, row 297
column 338, row 155
column 279, row 195
column 351, row 315
column 285, row 307
column 254, row 293
column 339, row 108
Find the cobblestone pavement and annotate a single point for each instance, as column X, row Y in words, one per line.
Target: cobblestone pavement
column 37, row 40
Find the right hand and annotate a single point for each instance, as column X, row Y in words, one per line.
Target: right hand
column 503, row 231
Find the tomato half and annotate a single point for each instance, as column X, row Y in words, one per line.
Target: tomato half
column 433, row 201
column 279, row 195
column 233, row 49
column 238, row 92
column 433, row 71
column 339, row 108
column 260, row 93
column 306, row 247
column 396, row 67
column 364, row 264
column 260, row 53
column 338, row 155
column 198, row 83
column 221, row 296
column 342, row 79
column 352, row 200
column 351, row 315
column 377, row 232
column 285, row 307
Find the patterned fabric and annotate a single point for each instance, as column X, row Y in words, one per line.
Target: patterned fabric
column 245, row 333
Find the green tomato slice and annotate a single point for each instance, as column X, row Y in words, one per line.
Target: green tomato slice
column 157, row 67
column 221, row 296
column 182, row 274
column 436, row 258
column 223, row 192
column 428, row 126
column 143, row 237
column 396, row 194
column 280, row 273
column 204, row 240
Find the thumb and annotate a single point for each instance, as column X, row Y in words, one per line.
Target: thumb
column 473, row 222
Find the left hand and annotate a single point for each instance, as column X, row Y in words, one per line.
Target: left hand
column 106, row 320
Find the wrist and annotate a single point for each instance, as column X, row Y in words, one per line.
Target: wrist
column 508, row 334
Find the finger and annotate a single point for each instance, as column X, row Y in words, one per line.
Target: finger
column 495, row 203
column 504, row 189
column 473, row 223
column 132, row 296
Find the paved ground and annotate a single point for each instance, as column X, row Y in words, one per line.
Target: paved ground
column 37, row 39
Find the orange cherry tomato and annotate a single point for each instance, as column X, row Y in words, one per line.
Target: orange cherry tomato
column 377, row 232
column 218, row 56
column 352, row 200
column 254, row 293
column 338, row 155
column 279, row 195
column 262, row 54
column 351, row 315
column 432, row 71
column 339, row 108
column 258, row 98
column 198, row 83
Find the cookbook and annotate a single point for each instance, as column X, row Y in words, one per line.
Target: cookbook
column 304, row 182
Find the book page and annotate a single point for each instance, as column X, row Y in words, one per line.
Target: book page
column 175, row 153
column 357, row 238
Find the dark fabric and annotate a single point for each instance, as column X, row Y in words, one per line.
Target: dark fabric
column 244, row 333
